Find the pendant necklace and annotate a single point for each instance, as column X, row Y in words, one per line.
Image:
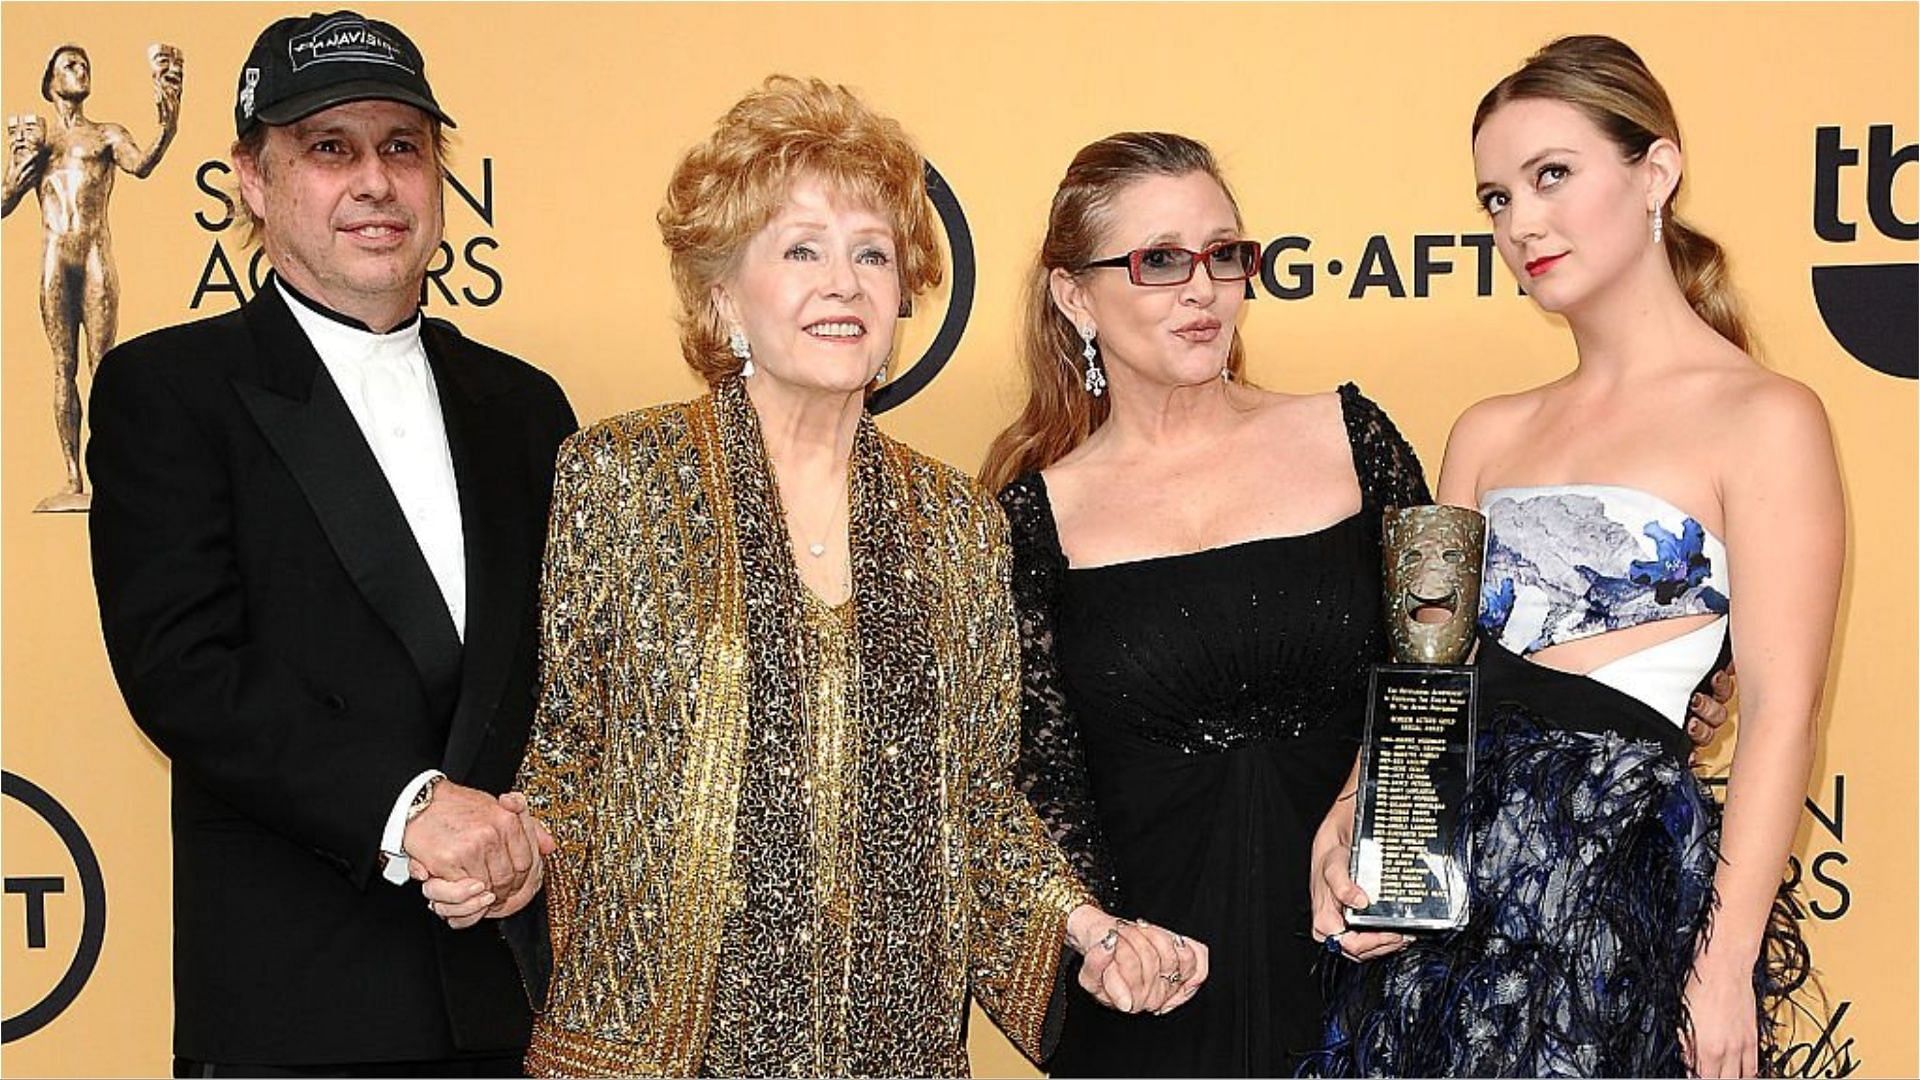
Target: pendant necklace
column 818, row 548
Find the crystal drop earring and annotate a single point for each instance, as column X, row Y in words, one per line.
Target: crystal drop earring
column 1095, row 381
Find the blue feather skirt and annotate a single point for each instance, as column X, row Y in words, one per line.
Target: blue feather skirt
column 1593, row 854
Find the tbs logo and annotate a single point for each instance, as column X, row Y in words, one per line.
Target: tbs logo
column 55, row 907
column 1869, row 308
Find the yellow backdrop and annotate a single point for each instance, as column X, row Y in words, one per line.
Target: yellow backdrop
column 1343, row 126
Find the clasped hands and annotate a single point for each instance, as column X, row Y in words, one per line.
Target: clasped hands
column 1133, row 966
column 476, row 856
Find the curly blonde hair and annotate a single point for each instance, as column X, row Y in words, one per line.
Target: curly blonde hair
column 726, row 189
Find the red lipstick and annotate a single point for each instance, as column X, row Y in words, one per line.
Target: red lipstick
column 1539, row 266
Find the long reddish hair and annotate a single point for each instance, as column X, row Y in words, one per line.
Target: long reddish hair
column 1059, row 413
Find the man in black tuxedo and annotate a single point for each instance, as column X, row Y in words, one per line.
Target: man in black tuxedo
column 316, row 534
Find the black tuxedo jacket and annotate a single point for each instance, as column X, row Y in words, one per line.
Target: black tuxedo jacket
column 277, row 633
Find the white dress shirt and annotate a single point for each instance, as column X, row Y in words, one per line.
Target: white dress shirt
column 390, row 390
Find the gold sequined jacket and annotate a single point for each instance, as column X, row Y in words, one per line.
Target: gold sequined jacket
column 671, row 758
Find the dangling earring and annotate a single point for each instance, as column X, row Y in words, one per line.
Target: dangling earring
column 742, row 351
column 880, row 376
column 1096, row 379
column 1226, row 374
column 1656, row 225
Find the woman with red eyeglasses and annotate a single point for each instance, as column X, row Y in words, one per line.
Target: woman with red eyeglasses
column 1197, row 572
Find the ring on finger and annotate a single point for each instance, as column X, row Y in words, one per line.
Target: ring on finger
column 1173, row 978
column 1179, row 941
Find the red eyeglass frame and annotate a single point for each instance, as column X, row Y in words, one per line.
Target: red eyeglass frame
column 1131, row 261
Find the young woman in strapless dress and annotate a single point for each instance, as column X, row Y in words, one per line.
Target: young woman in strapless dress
column 1667, row 494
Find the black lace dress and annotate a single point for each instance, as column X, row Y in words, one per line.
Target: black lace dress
column 1187, row 721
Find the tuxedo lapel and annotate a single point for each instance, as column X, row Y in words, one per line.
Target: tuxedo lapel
column 490, row 466
column 302, row 415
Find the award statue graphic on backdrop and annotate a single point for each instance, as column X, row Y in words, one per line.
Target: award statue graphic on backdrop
column 1416, row 757
column 69, row 165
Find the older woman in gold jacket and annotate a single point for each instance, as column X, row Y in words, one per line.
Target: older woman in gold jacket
column 776, row 739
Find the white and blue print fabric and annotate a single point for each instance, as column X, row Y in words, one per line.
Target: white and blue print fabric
column 1572, row 560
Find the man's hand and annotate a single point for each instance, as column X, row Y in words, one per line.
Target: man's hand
column 466, row 833
column 466, row 901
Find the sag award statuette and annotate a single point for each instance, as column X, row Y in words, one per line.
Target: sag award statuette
column 69, row 163
column 1417, row 755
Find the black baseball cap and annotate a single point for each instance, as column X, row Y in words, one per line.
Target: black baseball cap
column 300, row 66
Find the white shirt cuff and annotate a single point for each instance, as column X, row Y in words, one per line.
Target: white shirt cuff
column 396, row 869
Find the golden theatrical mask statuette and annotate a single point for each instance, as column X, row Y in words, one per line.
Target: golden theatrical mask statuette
column 1416, row 758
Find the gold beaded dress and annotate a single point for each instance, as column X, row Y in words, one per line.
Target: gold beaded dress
column 789, row 838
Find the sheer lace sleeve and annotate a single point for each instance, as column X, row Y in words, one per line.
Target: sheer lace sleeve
column 1052, row 767
column 1390, row 473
